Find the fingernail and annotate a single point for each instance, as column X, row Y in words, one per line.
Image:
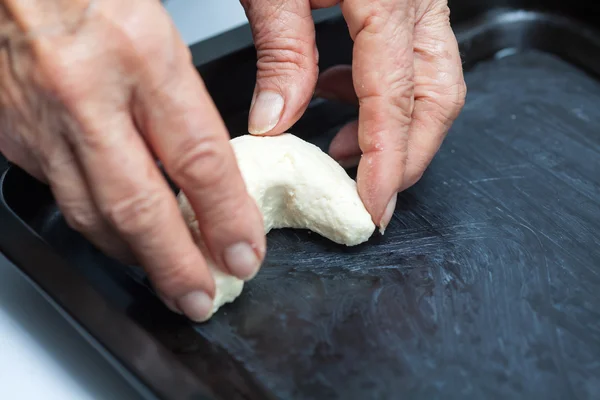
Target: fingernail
column 349, row 162
column 265, row 112
column 241, row 260
column 387, row 214
column 197, row 306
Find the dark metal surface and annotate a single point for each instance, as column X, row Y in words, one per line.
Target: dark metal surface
column 144, row 362
column 485, row 285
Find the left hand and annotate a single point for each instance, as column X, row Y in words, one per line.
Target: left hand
column 406, row 78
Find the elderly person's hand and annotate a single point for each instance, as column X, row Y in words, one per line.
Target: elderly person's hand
column 406, row 77
column 92, row 93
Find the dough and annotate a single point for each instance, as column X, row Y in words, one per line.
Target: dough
column 296, row 185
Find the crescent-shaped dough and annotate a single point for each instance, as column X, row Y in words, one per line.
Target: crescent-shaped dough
column 296, row 185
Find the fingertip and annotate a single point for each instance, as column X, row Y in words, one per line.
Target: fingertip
column 388, row 213
column 186, row 290
column 196, row 305
column 378, row 185
column 243, row 260
column 234, row 235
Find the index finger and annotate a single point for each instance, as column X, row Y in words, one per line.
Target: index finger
column 119, row 172
column 383, row 80
column 184, row 128
column 131, row 194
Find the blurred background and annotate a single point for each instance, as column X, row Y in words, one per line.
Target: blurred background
column 200, row 19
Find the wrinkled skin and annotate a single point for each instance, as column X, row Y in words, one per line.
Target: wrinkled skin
column 406, row 77
column 92, row 94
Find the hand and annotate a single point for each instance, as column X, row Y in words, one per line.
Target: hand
column 91, row 95
column 406, row 77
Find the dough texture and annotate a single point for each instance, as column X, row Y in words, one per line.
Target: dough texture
column 296, row 185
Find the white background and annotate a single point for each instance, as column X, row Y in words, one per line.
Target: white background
column 41, row 356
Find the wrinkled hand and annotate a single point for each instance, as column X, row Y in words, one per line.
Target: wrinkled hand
column 91, row 94
column 406, row 77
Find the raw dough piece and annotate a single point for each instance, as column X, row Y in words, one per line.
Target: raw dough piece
column 296, row 185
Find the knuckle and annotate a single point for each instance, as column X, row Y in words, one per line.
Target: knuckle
column 52, row 160
column 147, row 28
column 401, row 82
column 441, row 112
column 402, row 96
column 442, row 117
column 82, row 218
column 398, row 90
column 65, row 71
column 375, row 23
column 65, row 86
column 382, row 109
column 431, row 48
column 176, row 274
column 201, row 162
column 285, row 54
column 445, row 106
column 385, row 116
column 443, row 11
column 380, row 16
column 100, row 136
column 433, row 12
column 230, row 210
column 91, row 140
column 439, row 13
column 137, row 213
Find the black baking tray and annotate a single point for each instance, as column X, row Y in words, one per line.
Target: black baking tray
column 486, row 284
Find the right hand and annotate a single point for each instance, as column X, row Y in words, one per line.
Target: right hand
column 91, row 95
column 406, row 78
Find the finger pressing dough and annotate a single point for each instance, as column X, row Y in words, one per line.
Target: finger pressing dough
column 296, row 185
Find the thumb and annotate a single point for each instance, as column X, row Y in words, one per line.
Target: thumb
column 287, row 70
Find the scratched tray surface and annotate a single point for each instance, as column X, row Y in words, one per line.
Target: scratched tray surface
column 485, row 285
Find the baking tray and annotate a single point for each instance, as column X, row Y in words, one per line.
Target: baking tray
column 485, row 285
